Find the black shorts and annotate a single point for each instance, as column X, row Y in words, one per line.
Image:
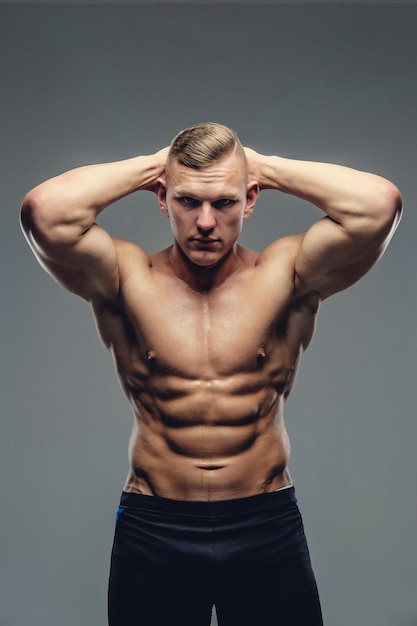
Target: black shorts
column 171, row 561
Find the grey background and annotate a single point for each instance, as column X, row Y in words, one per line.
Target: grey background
column 82, row 84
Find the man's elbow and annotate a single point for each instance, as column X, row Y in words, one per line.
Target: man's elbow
column 39, row 216
column 388, row 209
column 379, row 215
column 31, row 211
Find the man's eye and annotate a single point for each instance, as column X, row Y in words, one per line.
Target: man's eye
column 223, row 203
column 189, row 201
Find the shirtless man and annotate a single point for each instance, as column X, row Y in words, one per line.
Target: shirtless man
column 207, row 337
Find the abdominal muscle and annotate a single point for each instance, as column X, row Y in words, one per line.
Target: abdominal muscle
column 208, row 443
column 206, row 378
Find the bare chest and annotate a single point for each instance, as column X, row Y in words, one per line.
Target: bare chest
column 225, row 333
column 204, row 338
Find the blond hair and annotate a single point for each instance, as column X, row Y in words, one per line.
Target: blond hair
column 203, row 144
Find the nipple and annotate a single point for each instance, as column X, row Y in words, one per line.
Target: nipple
column 150, row 354
column 261, row 354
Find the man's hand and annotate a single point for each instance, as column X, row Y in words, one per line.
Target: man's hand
column 160, row 158
column 253, row 160
column 260, row 169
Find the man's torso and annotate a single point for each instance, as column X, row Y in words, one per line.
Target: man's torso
column 207, row 373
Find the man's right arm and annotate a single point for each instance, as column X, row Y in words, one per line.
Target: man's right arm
column 58, row 219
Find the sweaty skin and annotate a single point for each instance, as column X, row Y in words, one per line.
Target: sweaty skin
column 206, row 335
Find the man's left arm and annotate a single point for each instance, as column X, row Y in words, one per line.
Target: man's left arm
column 362, row 213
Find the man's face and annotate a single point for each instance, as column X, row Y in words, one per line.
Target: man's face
column 207, row 207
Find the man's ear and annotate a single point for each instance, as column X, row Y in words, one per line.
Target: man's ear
column 161, row 194
column 252, row 192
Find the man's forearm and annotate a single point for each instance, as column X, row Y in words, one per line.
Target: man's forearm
column 343, row 193
column 71, row 201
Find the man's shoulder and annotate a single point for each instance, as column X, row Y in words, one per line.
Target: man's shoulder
column 128, row 249
column 131, row 257
column 138, row 267
column 135, row 267
column 281, row 252
column 275, row 272
column 284, row 245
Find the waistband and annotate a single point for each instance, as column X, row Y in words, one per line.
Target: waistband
column 238, row 506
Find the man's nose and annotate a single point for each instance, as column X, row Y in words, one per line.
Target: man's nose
column 206, row 219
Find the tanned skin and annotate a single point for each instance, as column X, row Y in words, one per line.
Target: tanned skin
column 207, row 335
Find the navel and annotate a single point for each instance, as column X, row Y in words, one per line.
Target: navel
column 150, row 354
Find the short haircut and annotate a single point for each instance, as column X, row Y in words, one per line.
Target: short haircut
column 203, row 144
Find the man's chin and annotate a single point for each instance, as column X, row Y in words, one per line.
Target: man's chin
column 205, row 260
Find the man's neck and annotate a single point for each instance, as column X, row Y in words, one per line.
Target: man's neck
column 204, row 278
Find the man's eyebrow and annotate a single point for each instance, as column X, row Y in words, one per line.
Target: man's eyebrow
column 182, row 194
column 230, row 195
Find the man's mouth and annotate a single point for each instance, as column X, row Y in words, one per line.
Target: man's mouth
column 204, row 240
